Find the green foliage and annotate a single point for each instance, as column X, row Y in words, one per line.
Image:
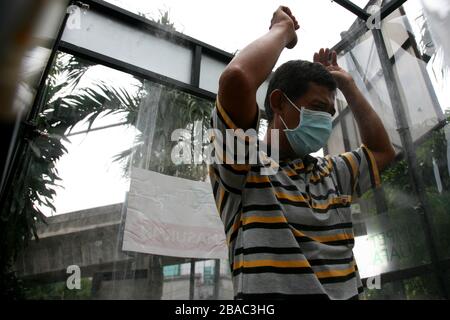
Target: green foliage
column 59, row 291
column 401, row 201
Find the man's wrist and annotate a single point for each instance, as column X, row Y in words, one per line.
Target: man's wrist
column 285, row 30
column 348, row 87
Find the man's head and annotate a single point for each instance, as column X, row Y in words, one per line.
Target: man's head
column 307, row 85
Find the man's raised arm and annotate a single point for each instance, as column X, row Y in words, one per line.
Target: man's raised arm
column 241, row 79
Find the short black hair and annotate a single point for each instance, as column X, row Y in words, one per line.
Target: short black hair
column 294, row 78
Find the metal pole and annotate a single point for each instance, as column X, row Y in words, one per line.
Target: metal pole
column 192, row 280
column 417, row 182
column 216, row 279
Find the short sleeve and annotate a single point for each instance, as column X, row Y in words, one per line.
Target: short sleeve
column 234, row 149
column 226, row 174
column 356, row 171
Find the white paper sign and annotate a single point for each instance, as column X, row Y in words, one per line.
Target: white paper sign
column 171, row 216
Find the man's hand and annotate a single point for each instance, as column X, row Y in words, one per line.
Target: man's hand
column 373, row 134
column 329, row 60
column 283, row 17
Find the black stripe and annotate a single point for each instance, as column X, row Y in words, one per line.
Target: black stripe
column 226, row 186
column 306, row 205
column 232, row 170
column 232, row 220
column 235, row 233
column 269, row 185
column 357, row 156
column 277, row 184
column 361, row 289
column 337, row 176
column 321, row 178
column 219, row 115
column 216, row 187
column 280, row 296
column 262, row 225
column 261, row 207
column 224, row 200
column 297, row 170
column 349, row 167
column 303, row 239
column 304, row 227
column 323, row 262
column 272, row 250
column 270, row 269
column 294, row 203
column 337, row 279
column 372, row 176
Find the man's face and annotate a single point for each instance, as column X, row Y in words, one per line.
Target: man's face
column 317, row 98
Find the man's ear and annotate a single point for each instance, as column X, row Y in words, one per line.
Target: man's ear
column 276, row 101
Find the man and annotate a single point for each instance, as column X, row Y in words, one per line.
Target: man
column 290, row 233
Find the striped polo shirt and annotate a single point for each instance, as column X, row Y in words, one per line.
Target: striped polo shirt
column 289, row 234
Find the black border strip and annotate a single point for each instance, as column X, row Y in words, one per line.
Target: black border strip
column 134, row 70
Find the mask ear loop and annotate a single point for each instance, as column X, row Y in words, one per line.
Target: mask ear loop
column 293, row 104
column 284, row 123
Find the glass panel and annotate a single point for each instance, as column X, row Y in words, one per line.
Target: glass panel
column 210, row 72
column 118, row 40
column 392, row 223
column 96, row 124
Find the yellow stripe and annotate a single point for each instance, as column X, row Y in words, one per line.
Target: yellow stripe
column 230, row 124
column 236, row 226
column 350, row 159
column 335, row 273
column 272, row 263
column 219, row 202
column 295, row 198
column 290, row 172
column 321, row 239
column 376, row 173
column 258, row 179
column 301, row 199
column 328, row 168
column 324, row 239
column 256, row 219
column 336, row 200
column 299, row 166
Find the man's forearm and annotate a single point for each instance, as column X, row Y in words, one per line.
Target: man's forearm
column 258, row 59
column 372, row 130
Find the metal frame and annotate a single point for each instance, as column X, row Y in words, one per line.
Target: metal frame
column 353, row 8
column 139, row 72
column 26, row 127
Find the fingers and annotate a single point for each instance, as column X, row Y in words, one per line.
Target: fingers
column 326, row 57
column 316, row 58
column 334, row 58
column 289, row 13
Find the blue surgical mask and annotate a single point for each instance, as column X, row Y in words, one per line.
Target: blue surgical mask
column 313, row 131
